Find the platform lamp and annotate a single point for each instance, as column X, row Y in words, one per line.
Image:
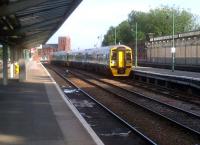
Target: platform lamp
column 173, row 49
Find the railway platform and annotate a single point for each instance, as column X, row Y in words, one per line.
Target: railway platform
column 35, row 112
column 149, row 74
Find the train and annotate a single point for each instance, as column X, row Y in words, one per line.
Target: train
column 113, row 60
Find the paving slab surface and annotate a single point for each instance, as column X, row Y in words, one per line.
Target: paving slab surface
column 33, row 113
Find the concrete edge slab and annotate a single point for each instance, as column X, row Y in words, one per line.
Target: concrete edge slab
column 94, row 136
column 170, row 78
column 168, row 75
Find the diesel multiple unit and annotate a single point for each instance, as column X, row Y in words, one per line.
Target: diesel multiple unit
column 110, row 60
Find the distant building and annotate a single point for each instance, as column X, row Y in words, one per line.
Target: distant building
column 46, row 51
column 64, row 43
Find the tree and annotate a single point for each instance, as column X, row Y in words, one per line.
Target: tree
column 125, row 33
column 157, row 21
column 109, row 38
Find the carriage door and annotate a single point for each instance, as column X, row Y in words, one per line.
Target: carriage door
column 121, row 60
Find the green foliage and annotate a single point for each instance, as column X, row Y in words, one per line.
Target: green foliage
column 157, row 21
column 109, row 38
column 124, row 33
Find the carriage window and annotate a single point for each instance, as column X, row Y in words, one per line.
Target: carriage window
column 114, row 55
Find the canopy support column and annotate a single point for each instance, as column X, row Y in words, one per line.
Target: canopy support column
column 5, row 64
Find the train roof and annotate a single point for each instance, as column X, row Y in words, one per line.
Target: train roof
column 104, row 50
column 96, row 49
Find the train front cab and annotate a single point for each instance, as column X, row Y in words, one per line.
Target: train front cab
column 121, row 61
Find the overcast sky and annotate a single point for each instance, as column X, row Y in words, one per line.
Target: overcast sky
column 92, row 18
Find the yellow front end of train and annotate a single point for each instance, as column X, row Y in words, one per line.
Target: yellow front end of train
column 121, row 61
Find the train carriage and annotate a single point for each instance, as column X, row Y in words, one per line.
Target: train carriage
column 110, row 60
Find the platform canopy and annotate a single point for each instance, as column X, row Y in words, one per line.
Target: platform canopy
column 27, row 23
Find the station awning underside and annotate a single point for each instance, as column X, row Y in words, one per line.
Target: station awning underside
column 28, row 23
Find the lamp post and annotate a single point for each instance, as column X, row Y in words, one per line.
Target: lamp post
column 136, row 44
column 173, row 49
column 100, row 39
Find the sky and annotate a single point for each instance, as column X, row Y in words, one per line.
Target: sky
column 92, row 18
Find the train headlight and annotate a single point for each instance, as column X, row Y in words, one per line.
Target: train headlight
column 113, row 62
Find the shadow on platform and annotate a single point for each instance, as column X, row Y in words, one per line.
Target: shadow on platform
column 26, row 116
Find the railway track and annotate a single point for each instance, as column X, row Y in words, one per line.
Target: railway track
column 159, row 94
column 171, row 97
column 109, row 127
column 194, row 99
column 153, row 127
column 182, row 118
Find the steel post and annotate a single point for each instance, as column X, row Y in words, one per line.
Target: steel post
column 136, row 45
column 173, row 52
column 5, row 64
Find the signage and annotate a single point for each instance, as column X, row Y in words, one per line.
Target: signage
column 173, row 50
